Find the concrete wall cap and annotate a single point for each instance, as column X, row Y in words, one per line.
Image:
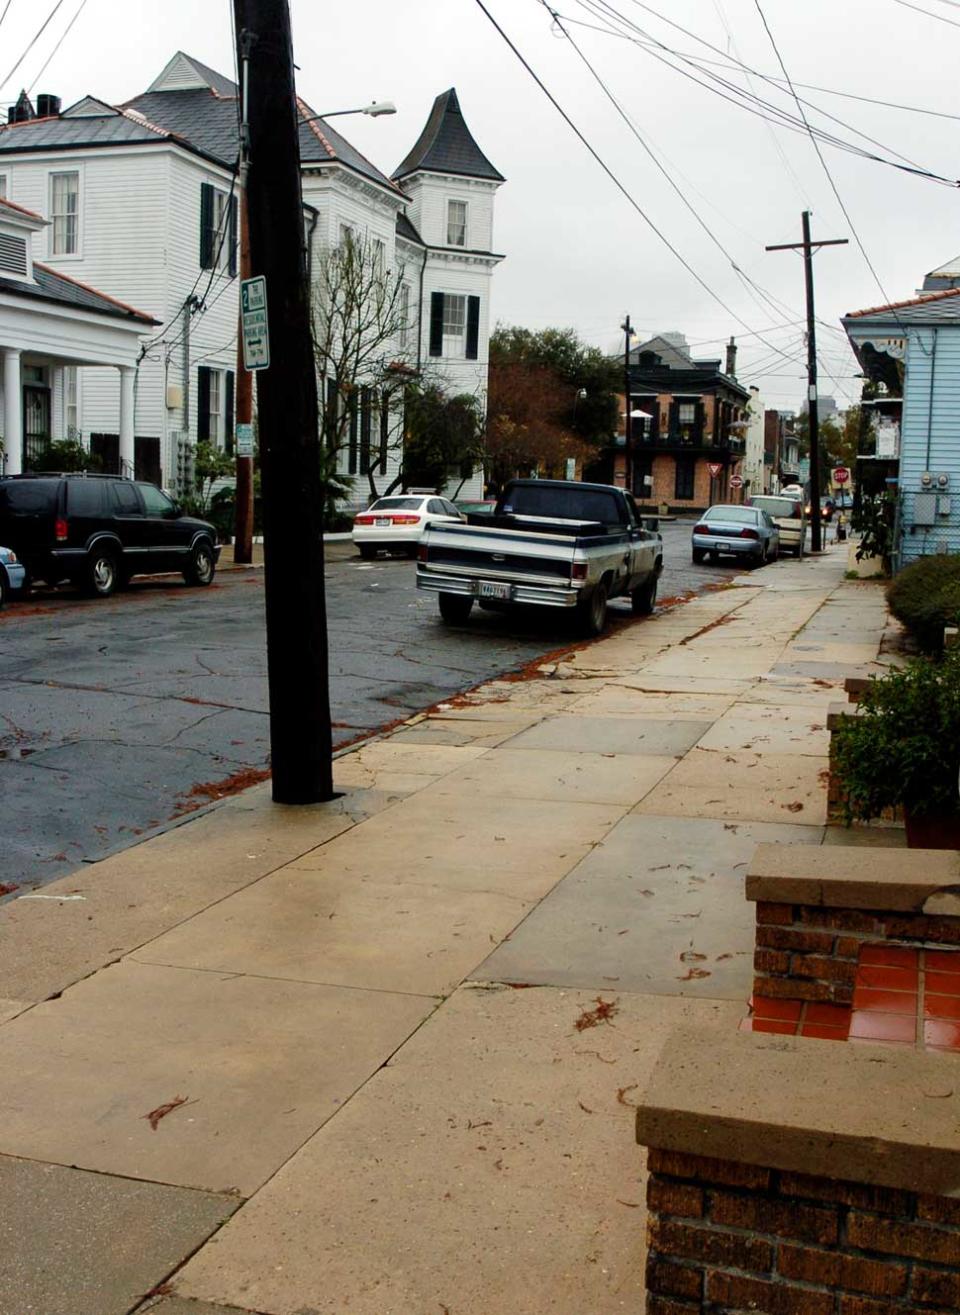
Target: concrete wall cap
column 838, row 877
column 884, row 1115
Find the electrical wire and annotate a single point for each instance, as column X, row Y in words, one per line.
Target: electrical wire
column 6, row 10
column 63, row 37
column 941, row 18
column 33, row 41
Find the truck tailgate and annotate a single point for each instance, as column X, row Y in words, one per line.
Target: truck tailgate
column 479, row 552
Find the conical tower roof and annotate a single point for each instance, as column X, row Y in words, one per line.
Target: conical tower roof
column 446, row 145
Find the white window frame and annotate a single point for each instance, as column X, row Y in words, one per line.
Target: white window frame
column 406, row 328
column 215, row 435
column 71, row 402
column 457, row 228
column 59, row 245
column 455, row 324
column 348, row 234
column 4, row 188
column 686, row 419
column 221, row 230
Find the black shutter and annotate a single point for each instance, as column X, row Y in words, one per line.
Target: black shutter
column 473, row 327
column 203, row 404
column 228, row 413
column 674, row 422
column 352, row 452
column 207, row 235
column 332, row 397
column 232, row 238
column 384, row 431
column 364, row 430
column 436, row 323
column 698, row 419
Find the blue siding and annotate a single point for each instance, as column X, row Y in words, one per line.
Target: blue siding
column 930, row 434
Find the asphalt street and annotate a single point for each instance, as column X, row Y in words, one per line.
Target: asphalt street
column 118, row 717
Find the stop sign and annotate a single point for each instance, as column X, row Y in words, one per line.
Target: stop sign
column 736, row 481
column 841, row 475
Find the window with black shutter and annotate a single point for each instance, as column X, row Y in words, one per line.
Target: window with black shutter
column 208, row 227
column 203, row 404
column 473, row 327
column 384, row 429
column 364, row 430
column 436, row 323
column 228, row 426
column 352, row 449
column 232, row 238
column 684, row 480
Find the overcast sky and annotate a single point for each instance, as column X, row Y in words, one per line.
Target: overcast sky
column 577, row 253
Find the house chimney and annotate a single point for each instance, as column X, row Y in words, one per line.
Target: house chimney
column 22, row 112
column 731, row 369
column 48, row 107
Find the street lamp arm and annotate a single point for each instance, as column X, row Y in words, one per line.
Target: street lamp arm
column 374, row 109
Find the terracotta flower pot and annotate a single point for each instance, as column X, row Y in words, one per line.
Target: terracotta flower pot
column 932, row 830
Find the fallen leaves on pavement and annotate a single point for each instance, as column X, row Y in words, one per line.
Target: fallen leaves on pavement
column 605, row 1010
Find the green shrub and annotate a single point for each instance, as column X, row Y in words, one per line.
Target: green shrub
column 903, row 749
column 925, row 597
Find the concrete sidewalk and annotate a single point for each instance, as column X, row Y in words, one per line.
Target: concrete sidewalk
column 389, row 1044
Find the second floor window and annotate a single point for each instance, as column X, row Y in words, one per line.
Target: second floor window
column 403, row 315
column 454, row 324
column 218, row 229
column 65, row 213
column 457, row 223
column 71, row 407
column 3, row 187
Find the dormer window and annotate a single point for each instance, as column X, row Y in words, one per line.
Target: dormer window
column 13, row 255
column 456, row 223
column 65, row 213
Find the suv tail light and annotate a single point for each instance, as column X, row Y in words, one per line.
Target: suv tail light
column 748, row 533
column 60, row 529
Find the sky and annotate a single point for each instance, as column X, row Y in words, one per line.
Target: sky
column 717, row 182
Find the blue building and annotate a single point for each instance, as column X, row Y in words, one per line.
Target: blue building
column 912, row 348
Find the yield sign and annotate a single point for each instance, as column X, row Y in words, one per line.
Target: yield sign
column 714, row 468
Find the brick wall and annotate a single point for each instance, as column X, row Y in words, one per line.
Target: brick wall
column 727, row 1237
column 806, row 952
column 664, row 484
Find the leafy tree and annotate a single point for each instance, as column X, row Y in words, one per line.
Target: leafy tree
column 593, row 381
column 527, row 412
column 444, row 437
column 210, row 463
column 65, row 455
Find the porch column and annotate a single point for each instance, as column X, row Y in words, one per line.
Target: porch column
column 12, row 411
column 128, row 377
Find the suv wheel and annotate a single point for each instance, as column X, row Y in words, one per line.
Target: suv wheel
column 102, row 573
column 202, row 564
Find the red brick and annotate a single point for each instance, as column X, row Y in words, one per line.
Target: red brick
column 800, row 988
column 771, row 961
column 668, row 1279
column 939, row 1209
column 806, row 1223
column 867, row 1306
column 838, row 919
column 779, row 914
column 886, row 1200
column 711, row 1246
column 789, row 938
column 771, row 1298
column 833, row 1269
column 920, row 1241
column 822, row 968
column 921, row 927
column 937, row 1286
column 731, row 1173
column 664, row 1306
column 672, row 1198
column 847, row 947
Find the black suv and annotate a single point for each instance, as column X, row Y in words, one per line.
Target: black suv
column 99, row 530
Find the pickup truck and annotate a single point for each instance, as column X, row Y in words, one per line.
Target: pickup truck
column 548, row 543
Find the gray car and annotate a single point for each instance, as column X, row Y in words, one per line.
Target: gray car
column 736, row 531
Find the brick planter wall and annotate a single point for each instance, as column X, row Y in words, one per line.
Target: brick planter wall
column 729, row 1237
column 808, row 952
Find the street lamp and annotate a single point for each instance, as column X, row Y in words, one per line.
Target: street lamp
column 374, row 109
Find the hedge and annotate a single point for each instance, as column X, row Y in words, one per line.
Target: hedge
column 925, row 597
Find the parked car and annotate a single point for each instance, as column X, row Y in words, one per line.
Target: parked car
column 100, row 530
column 549, row 543
column 399, row 521
column 827, row 507
column 13, row 575
column 789, row 517
column 735, row 531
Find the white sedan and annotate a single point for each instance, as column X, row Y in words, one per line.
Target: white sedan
column 399, row 521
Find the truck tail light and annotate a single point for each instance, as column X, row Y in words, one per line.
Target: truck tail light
column 578, row 571
column 421, row 552
column 748, row 533
column 60, row 529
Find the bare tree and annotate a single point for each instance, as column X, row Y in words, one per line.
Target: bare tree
column 361, row 332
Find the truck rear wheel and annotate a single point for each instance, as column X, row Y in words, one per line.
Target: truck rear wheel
column 592, row 612
column 455, row 608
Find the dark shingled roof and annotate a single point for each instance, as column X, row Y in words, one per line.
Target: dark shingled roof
column 406, row 229
column 446, row 145
column 321, row 144
column 39, row 134
column 53, row 286
column 206, row 121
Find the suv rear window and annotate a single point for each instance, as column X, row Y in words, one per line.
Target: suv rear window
column 86, row 497
column 28, row 495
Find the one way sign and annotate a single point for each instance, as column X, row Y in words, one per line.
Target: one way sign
column 253, row 318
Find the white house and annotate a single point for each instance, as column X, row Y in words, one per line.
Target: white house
column 141, row 200
column 51, row 326
column 753, row 467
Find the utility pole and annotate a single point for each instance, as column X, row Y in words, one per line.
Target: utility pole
column 297, row 665
column 627, row 419
column 813, row 409
column 243, row 402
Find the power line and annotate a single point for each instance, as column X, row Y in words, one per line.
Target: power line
column 6, row 8
column 30, row 45
column 941, row 18
column 63, row 37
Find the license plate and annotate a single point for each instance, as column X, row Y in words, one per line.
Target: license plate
column 723, row 547
column 493, row 589
column 383, row 521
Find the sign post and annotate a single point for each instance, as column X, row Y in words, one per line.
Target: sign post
column 841, row 475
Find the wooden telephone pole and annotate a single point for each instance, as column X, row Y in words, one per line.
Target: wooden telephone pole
column 297, row 660
column 627, row 419
column 813, row 407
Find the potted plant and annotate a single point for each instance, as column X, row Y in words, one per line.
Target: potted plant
column 903, row 750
